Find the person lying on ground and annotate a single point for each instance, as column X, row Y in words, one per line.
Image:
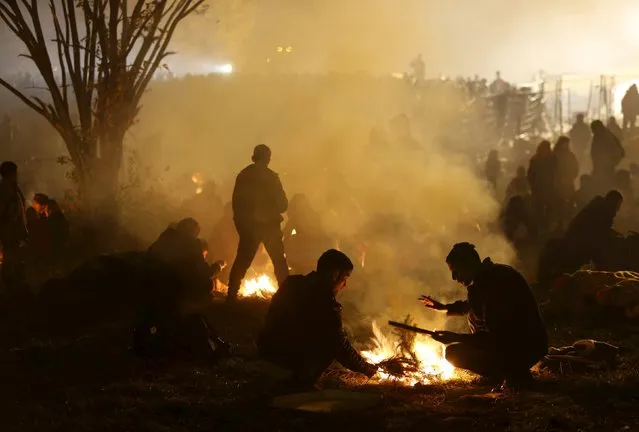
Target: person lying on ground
column 507, row 333
column 303, row 331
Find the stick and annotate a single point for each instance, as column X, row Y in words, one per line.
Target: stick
column 411, row 328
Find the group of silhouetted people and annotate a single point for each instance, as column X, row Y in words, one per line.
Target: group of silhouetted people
column 33, row 234
column 303, row 332
column 543, row 198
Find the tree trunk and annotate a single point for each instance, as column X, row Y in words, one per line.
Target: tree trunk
column 98, row 175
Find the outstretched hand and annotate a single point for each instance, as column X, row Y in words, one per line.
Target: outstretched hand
column 431, row 303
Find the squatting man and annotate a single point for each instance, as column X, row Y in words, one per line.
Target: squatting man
column 507, row 333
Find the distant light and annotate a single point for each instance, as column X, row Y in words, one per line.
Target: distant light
column 398, row 75
column 279, row 49
column 225, row 69
column 289, row 49
column 199, row 190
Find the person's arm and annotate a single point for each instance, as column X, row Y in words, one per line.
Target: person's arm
column 281, row 201
column 348, row 357
column 238, row 200
column 458, row 308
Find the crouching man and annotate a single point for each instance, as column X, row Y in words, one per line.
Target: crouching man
column 507, row 333
column 175, row 311
column 303, row 332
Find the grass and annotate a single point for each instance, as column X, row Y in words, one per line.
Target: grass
column 86, row 379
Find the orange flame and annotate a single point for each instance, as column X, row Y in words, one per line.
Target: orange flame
column 433, row 366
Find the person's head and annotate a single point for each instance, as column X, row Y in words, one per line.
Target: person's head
column 189, row 227
column 40, row 203
column 585, row 181
column 597, row 126
column 53, row 207
column 612, row 121
column 633, row 89
column 562, row 144
column 464, row 263
column 299, row 203
column 543, row 149
column 261, row 154
column 580, row 118
column 334, row 268
column 498, row 75
column 521, row 171
column 493, row 155
column 9, row 171
column 614, row 199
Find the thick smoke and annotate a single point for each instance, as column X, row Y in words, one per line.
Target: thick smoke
column 518, row 37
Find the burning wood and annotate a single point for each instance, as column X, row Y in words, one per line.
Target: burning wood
column 261, row 286
column 408, row 359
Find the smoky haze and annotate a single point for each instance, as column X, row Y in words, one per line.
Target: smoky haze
column 457, row 37
column 318, row 125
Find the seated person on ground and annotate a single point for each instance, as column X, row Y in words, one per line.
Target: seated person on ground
column 590, row 232
column 507, row 333
column 175, row 315
column 303, row 330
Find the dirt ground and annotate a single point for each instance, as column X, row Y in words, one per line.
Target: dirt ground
column 88, row 380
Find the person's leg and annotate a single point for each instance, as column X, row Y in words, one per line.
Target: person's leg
column 13, row 275
column 275, row 247
column 482, row 360
column 246, row 250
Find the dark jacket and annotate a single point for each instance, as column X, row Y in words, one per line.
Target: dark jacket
column 542, row 175
column 258, row 198
column 580, row 136
column 567, row 172
column 13, row 222
column 594, row 221
column 176, row 263
column 305, row 320
column 606, row 151
column 502, row 309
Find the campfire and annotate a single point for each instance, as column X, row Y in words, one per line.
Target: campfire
column 408, row 359
column 261, row 286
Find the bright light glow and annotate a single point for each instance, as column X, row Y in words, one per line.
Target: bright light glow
column 630, row 25
column 620, row 92
column 430, row 354
column 216, row 68
column 225, row 69
column 262, row 287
